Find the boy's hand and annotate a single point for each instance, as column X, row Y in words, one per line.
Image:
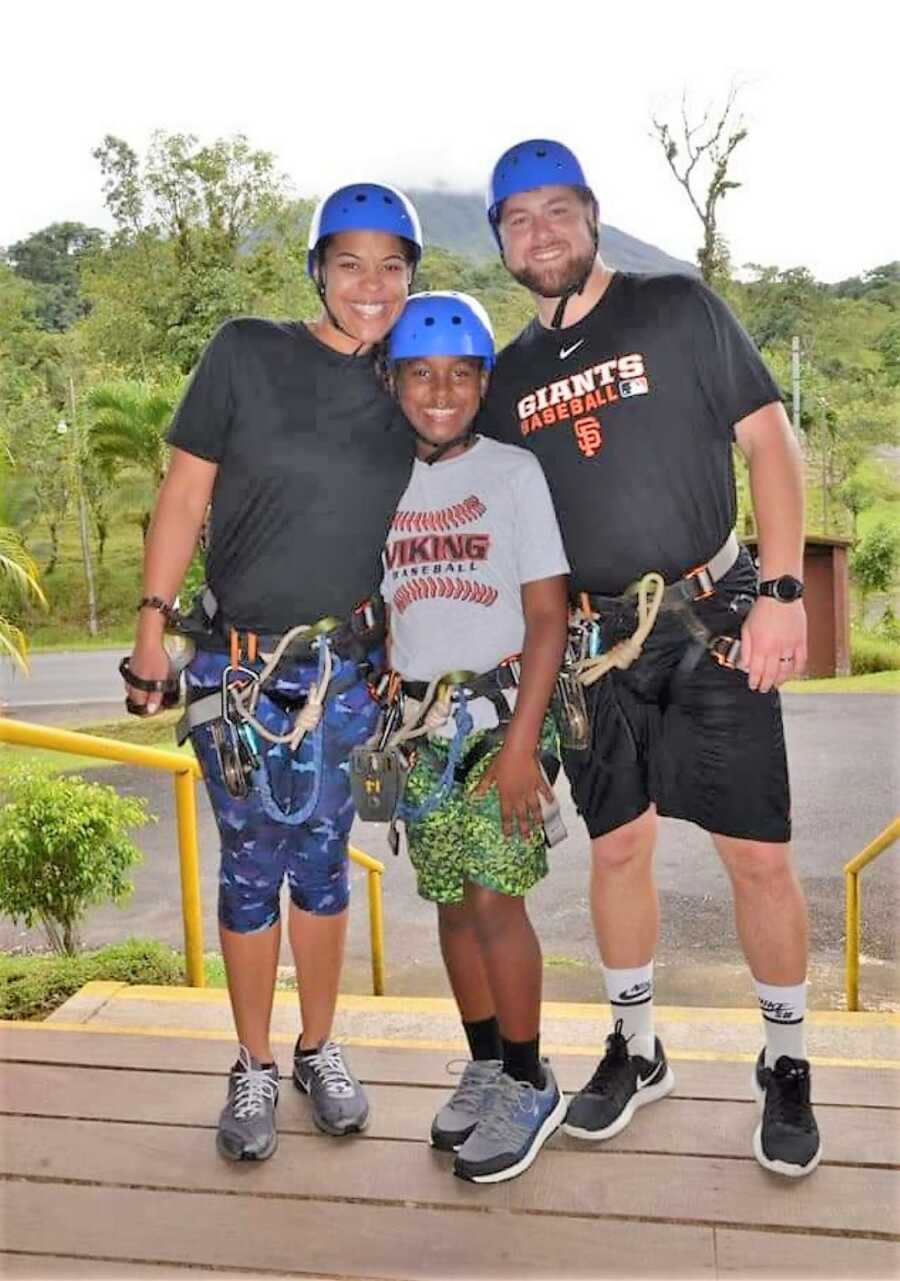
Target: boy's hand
column 518, row 779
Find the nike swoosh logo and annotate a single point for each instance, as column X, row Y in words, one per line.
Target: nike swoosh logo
column 567, row 351
column 643, row 1082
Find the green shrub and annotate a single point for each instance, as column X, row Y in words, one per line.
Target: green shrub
column 870, row 652
column 63, row 847
column 33, row 986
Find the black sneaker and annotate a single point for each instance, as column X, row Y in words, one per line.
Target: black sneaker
column 247, row 1124
column 787, row 1138
column 622, row 1083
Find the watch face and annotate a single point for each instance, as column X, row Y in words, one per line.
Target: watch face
column 788, row 588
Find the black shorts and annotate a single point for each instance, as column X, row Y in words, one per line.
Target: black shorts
column 678, row 730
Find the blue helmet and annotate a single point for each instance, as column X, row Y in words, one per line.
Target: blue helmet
column 364, row 206
column 442, row 323
column 539, row 162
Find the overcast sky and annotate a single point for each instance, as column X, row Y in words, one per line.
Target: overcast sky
column 423, row 92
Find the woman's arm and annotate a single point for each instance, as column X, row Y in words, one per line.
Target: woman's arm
column 177, row 520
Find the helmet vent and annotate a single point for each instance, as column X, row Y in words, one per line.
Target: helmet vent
column 541, row 153
column 361, row 197
column 456, row 320
column 429, row 320
column 388, row 200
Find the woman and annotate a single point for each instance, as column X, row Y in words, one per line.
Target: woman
column 302, row 455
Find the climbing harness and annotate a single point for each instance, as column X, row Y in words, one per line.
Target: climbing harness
column 379, row 769
column 586, row 662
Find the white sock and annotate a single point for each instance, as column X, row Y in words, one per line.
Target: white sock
column 630, row 995
column 783, row 1010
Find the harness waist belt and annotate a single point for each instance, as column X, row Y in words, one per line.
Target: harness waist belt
column 696, row 585
column 493, row 682
column 206, row 627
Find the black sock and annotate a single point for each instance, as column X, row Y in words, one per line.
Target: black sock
column 484, row 1038
column 313, row 1049
column 522, row 1061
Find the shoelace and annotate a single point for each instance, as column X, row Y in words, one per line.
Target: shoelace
column 476, row 1076
column 510, row 1097
column 253, row 1089
column 788, row 1098
column 608, row 1067
column 329, row 1066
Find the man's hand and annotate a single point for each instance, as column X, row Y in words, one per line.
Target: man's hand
column 773, row 643
column 517, row 777
column 149, row 661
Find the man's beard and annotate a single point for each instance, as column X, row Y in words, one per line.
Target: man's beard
column 556, row 280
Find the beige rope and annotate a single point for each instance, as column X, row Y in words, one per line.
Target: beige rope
column 625, row 652
column 309, row 714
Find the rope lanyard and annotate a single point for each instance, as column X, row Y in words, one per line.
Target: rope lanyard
column 651, row 589
column 464, row 726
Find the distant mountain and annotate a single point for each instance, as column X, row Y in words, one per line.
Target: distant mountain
column 456, row 220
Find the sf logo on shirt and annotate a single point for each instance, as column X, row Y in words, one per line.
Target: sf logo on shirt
column 576, row 398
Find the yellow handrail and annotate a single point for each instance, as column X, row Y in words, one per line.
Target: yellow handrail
column 851, row 883
column 186, row 772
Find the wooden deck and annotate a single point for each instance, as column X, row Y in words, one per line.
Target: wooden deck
column 110, row 1170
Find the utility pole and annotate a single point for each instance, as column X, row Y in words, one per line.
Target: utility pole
column 795, row 381
column 82, row 515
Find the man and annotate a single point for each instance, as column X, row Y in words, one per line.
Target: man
column 631, row 391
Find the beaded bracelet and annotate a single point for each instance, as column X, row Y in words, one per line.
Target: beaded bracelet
column 157, row 603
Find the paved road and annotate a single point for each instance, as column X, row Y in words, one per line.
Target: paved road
column 846, row 768
column 63, row 681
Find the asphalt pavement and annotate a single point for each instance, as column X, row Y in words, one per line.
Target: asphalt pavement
column 845, row 767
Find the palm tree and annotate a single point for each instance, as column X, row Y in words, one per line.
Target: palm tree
column 129, row 419
column 17, row 566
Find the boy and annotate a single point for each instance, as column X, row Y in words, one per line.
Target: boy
column 474, row 573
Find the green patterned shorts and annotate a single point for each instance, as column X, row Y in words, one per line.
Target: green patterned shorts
column 463, row 839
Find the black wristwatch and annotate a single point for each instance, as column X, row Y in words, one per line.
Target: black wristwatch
column 784, row 588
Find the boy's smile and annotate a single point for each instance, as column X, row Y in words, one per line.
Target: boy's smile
column 440, row 396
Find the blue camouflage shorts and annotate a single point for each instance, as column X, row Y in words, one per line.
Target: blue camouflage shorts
column 260, row 843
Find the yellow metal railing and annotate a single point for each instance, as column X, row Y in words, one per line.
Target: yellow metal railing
column 186, row 772
column 851, row 883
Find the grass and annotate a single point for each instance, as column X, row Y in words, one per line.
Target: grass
column 870, row 683
column 33, row 985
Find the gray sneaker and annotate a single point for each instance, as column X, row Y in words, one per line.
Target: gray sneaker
column 339, row 1105
column 518, row 1123
column 466, row 1106
column 247, row 1124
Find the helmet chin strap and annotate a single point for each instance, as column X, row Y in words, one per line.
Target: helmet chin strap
column 556, row 322
column 438, row 451
column 320, row 290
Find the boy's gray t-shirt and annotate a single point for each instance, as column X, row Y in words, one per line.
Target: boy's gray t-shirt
column 468, row 533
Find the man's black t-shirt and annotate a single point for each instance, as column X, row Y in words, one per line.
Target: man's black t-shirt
column 313, row 456
column 630, row 412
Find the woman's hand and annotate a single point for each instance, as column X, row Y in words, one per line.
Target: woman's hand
column 519, row 782
column 150, row 662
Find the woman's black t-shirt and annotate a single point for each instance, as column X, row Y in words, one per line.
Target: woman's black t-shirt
column 313, row 456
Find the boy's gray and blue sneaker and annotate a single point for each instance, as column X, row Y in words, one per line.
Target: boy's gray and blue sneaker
column 247, row 1124
column 339, row 1104
column 466, row 1106
column 519, row 1121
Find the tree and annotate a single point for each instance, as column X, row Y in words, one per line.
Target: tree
column 191, row 232
column 51, row 260
column 63, row 847
column 703, row 172
column 20, row 571
column 129, row 420
column 876, row 561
